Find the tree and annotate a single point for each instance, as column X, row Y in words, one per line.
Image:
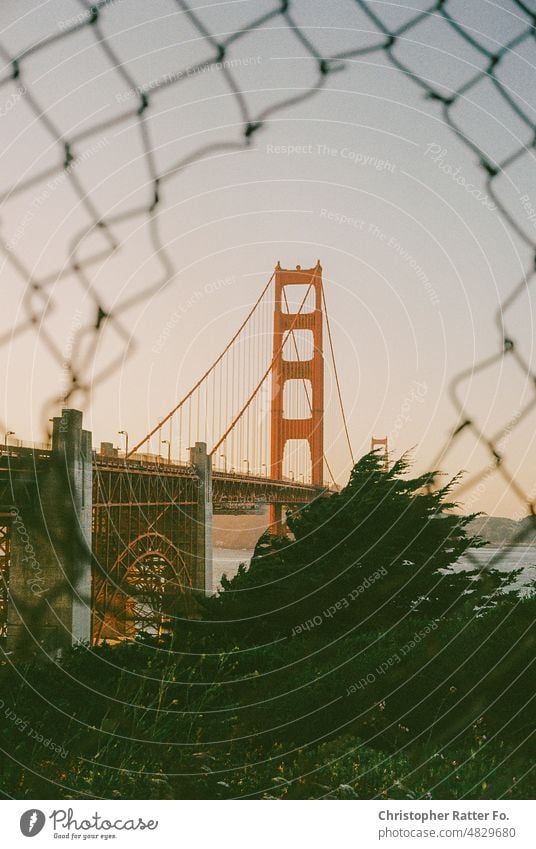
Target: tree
column 377, row 552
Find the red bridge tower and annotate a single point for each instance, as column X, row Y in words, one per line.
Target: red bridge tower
column 282, row 428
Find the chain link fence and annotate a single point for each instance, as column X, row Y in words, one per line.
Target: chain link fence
column 98, row 236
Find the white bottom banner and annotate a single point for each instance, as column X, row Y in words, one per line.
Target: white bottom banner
column 266, row 824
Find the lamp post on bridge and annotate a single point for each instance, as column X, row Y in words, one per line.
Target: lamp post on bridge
column 125, row 434
column 6, row 437
column 224, row 458
column 168, row 443
column 265, row 467
column 247, row 466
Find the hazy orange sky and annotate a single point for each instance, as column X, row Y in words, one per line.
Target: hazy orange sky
column 364, row 176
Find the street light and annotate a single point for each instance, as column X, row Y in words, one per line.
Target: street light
column 247, row 466
column 291, row 473
column 302, row 478
column 265, row 467
column 168, row 443
column 6, row 437
column 125, row 434
column 224, row 458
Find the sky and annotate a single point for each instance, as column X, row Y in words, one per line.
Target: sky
column 365, row 175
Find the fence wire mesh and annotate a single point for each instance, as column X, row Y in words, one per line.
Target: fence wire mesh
column 98, row 236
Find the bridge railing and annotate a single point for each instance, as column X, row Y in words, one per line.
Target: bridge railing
column 152, row 462
column 24, row 449
column 155, row 462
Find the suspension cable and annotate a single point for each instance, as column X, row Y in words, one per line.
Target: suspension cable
column 206, row 374
column 339, row 393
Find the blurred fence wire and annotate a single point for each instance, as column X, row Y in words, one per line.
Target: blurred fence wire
column 40, row 292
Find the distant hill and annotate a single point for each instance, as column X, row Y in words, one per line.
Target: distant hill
column 500, row 531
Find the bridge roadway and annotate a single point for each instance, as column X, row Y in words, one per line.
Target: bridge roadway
column 228, row 488
column 154, row 481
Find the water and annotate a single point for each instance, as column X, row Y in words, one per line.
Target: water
column 506, row 559
column 227, row 560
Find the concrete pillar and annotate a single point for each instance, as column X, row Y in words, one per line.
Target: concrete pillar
column 71, row 446
column 202, row 463
column 50, row 569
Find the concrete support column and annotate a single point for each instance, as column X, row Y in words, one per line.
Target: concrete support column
column 72, row 449
column 50, row 569
column 202, row 463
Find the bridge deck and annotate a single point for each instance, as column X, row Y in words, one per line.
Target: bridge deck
column 117, row 475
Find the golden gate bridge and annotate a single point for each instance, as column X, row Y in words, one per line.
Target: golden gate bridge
column 98, row 545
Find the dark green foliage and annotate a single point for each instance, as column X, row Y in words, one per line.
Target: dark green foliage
column 379, row 550
column 421, row 686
